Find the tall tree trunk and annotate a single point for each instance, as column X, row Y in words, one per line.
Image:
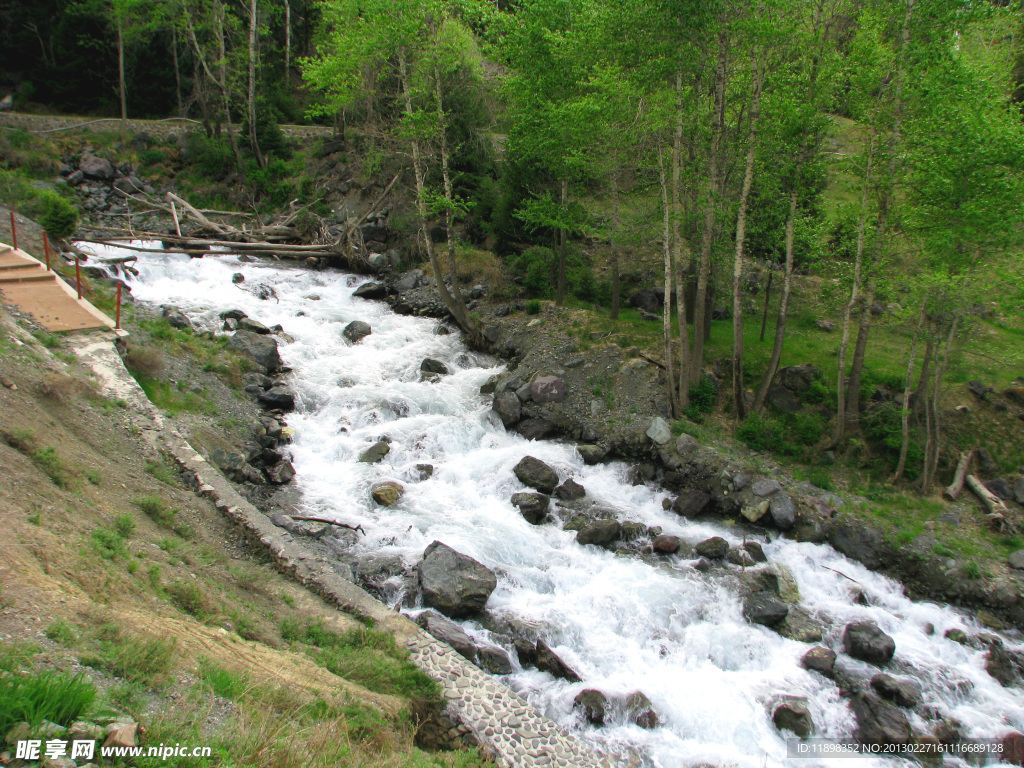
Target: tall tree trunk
column 666, row 319
column 224, row 86
column 560, row 298
column 857, row 366
column 287, row 41
column 457, row 310
column 680, row 251
column 929, row 354
column 122, row 90
column 177, row 72
column 701, row 312
column 741, row 238
column 905, row 411
column 858, row 262
column 253, row 139
column 767, row 304
column 453, row 272
column 616, row 226
column 780, row 322
column 934, row 448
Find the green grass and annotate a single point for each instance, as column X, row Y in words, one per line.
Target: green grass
column 188, row 598
column 224, row 682
column 53, row 696
column 364, row 656
column 143, row 659
column 173, row 401
column 61, row 632
column 161, row 514
column 124, row 525
column 51, row 463
column 107, row 544
column 162, row 472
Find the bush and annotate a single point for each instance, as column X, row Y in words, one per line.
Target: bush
column 56, row 215
column 125, row 525
column 212, row 158
column 108, row 544
column 763, row 433
column 156, row 509
column 537, row 267
column 702, row 399
column 533, row 307
column 139, row 659
column 189, row 598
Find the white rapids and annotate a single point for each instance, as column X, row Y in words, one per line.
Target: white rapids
column 622, row 622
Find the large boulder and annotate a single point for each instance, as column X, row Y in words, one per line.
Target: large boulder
column 593, row 704
column 535, row 429
column 262, row 349
column 659, row 431
column 372, row 290
column 903, row 692
column 495, row 660
column 96, row 168
column 429, row 365
column 592, row 454
column 799, row 378
column 715, row 548
column 1000, row 488
column 691, row 504
column 409, row 280
column 783, row 511
column 534, row 473
column 793, row 715
column 664, row 544
column 447, row 632
column 454, row 583
column 508, row 407
column 532, row 506
column 177, row 319
column 865, row 641
column 547, row 389
column 764, row 608
column 819, row 659
column 570, row 490
column 549, row 661
column 278, row 397
column 878, row 721
column 640, row 711
column 645, row 299
column 356, row 331
column 387, row 493
column 375, row 452
column 600, row 532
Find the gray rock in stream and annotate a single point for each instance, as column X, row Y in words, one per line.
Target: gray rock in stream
column 764, row 608
column 534, row 473
column 453, row 583
column 262, row 349
column 865, row 641
column 356, row 331
column 448, row 632
column 549, row 661
column 600, row 532
column 532, row 506
column 878, row 721
column 902, row 692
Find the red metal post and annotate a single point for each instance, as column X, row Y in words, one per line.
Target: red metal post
column 117, row 323
column 78, row 275
column 14, row 232
column 46, row 250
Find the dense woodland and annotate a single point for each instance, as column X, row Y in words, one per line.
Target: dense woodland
column 703, row 129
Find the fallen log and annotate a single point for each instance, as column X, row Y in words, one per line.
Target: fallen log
column 997, row 510
column 954, row 489
column 315, row 519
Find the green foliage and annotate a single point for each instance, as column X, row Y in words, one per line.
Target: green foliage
column 124, row 525
column 702, row 399
column 188, row 597
column 224, row 682
column 52, row 464
column 57, row 697
column 764, row 433
column 107, row 544
column 162, row 472
column 157, row 509
column 533, row 307
column 144, row 659
column 883, row 427
column 537, row 268
column 56, row 215
column 211, row 158
column 62, row 632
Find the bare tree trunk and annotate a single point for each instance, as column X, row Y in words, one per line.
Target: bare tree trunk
column 931, row 456
column 857, row 366
column 177, row 72
column 666, row 320
column 616, row 226
column 222, row 83
column 701, row 312
column 858, row 263
column 905, row 422
column 741, row 237
column 560, row 299
column 780, row 322
column 929, row 354
column 253, row 139
column 453, row 272
column 456, row 309
column 679, row 250
column 120, row 74
column 954, row 489
column 767, row 303
column 287, row 41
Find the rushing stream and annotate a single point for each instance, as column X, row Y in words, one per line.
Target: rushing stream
column 624, row 623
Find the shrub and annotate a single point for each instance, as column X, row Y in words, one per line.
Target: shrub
column 702, row 399
column 533, row 307
column 125, row 525
column 57, row 216
column 212, row 158
column 188, row 597
column 157, row 510
column 762, row 433
column 61, row 632
column 48, row 461
column 137, row 658
column 223, row 682
column 107, row 544
column 144, row 361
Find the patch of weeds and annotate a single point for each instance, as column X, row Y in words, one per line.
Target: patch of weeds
column 94, row 476
column 972, row 570
column 53, row 696
column 162, row 472
column 224, row 682
column 372, row 659
column 943, row 551
column 48, row 340
column 61, row 632
column 157, row 510
column 153, row 577
column 124, row 525
column 188, row 598
column 170, row 546
column 127, row 697
column 144, row 659
column 107, row 544
column 50, row 463
column 36, row 515
column 763, row 433
column 702, row 399
column 287, row 599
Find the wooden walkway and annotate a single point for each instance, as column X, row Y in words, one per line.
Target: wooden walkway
column 25, row 282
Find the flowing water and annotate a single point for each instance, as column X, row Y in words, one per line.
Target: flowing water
column 624, row 623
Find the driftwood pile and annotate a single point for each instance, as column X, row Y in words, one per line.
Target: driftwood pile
column 996, row 511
